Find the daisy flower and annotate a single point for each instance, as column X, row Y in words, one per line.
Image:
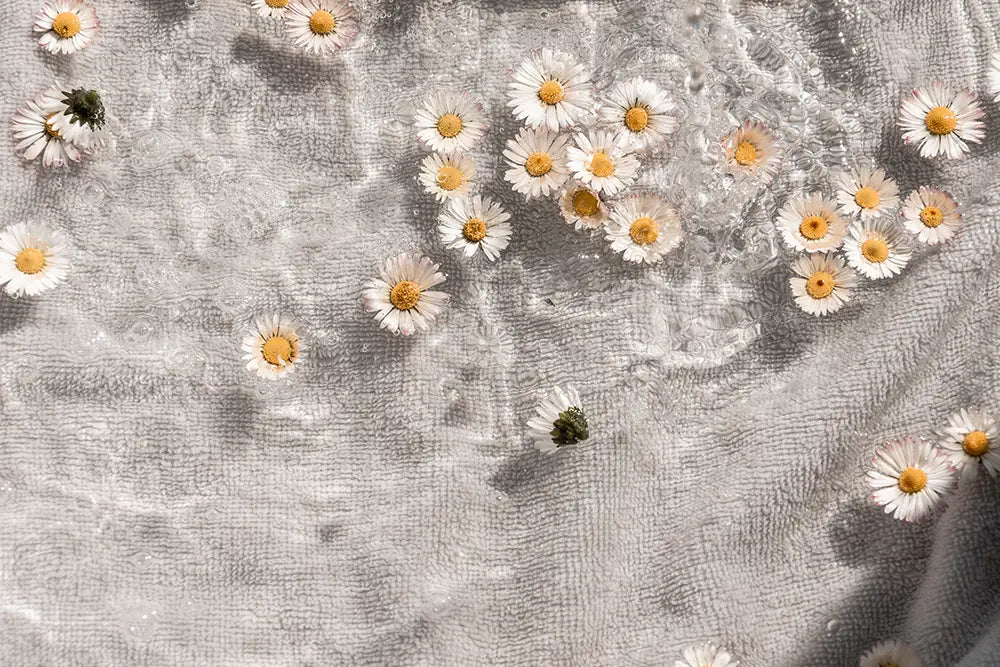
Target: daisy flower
column 866, row 192
column 706, row 655
column 67, row 26
column 549, row 90
column 537, row 160
column 582, row 207
column 601, row 164
column 274, row 9
column 638, row 113
column 321, row 26
column 273, row 349
column 473, row 224
column 993, row 76
column 888, row 653
column 38, row 129
column 940, row 121
column 33, row 258
column 559, row 421
column 910, row 478
column 875, row 249
column 449, row 123
column 447, row 176
column 401, row 297
column 752, row 149
column 644, row 228
column 823, row 284
column 931, row 214
column 811, row 224
column 972, row 437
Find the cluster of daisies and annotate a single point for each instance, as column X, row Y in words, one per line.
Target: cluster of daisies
column 320, row 26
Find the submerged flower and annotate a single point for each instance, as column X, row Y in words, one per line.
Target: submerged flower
column 911, row 478
column 401, row 297
column 891, row 654
column 550, row 90
column 67, row 26
column 321, row 26
column 447, row 176
column 274, row 9
column 932, row 215
column 811, row 224
column 449, row 122
column 40, row 128
column 559, row 421
column 752, row 150
column 537, row 160
column 273, row 348
column 941, row 122
column 643, row 228
column 970, row 439
column 582, row 207
column 866, row 192
column 638, row 112
column 706, row 655
column 875, row 249
column 822, row 284
column 601, row 164
column 475, row 223
column 33, row 258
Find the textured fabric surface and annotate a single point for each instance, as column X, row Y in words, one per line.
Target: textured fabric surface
column 161, row 506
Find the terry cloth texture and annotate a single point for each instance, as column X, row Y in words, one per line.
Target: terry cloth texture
column 162, row 506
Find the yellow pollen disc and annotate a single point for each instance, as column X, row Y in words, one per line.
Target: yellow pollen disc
column 912, row 480
column 940, row 120
column 931, row 216
column 404, row 295
column 30, row 261
column 66, row 25
column 276, row 350
column 538, row 164
column 820, row 285
column 277, row 4
column 644, row 231
column 866, row 197
column 474, row 230
column 875, row 250
column 449, row 178
column 601, row 165
column 50, row 130
column 746, row 154
column 551, row 92
column 585, row 203
column 322, row 22
column 449, row 125
column 976, row 443
column 813, row 227
column 637, row 118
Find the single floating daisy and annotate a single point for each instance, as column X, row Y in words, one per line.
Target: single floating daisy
column 638, row 113
column 33, row 258
column 993, row 76
column 972, row 437
column 752, row 150
column 823, row 284
column 875, row 249
column 449, row 123
column 321, row 26
column 600, row 163
column 910, row 478
column 273, row 349
column 58, row 126
column 811, row 224
column 891, row 654
column 274, row 9
column 865, row 192
column 706, row 655
column 941, row 122
column 644, row 228
column 559, row 421
column 550, row 90
column 447, row 176
column 932, row 215
column 68, row 26
column 473, row 224
column 582, row 207
column 401, row 297
column 537, row 160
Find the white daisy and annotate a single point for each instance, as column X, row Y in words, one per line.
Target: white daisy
column 68, row 26
column 875, row 249
column 940, row 121
column 823, row 284
column 972, row 437
column 559, row 421
column 706, row 655
column 401, row 297
column 644, row 228
column 891, row 654
column 39, row 128
column 811, row 224
column 582, row 207
column 865, row 192
column 449, row 123
column 447, row 176
column 931, row 214
column 33, row 258
column 550, row 90
column 537, row 159
column 274, row 9
column 321, row 26
column 911, row 478
column 638, row 113
column 273, row 349
column 993, row 76
column 601, row 164
column 475, row 223
column 752, row 150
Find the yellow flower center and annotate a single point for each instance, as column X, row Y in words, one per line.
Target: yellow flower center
column 813, row 227
column 322, row 22
column 449, row 125
column 637, row 118
column 912, row 480
column 940, row 120
column 866, row 197
column 875, row 250
column 538, row 164
column 30, row 261
column 50, row 130
column 277, row 350
column 277, row 4
column 931, row 216
column 474, row 230
column 644, row 231
column 404, row 295
column 551, row 92
column 820, row 285
column 585, row 203
column 601, row 165
column 975, row 443
column 746, row 154
column 66, row 25
column 449, row 178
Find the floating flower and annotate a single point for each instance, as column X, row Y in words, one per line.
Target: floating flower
column 811, row 224
column 582, row 207
column 931, row 214
column 449, row 123
column 823, row 284
column 38, row 128
column 33, row 258
column 549, row 90
column 972, row 437
column 644, row 228
column 752, row 150
column 321, row 26
column 600, row 163
column 274, row 9
column 68, row 26
column 401, row 297
column 875, row 249
column 706, row 655
column 559, row 421
column 273, row 349
column 891, row 654
column 447, row 176
column 638, row 112
column 993, row 76
column 940, row 121
column 865, row 192
column 910, row 478
column 475, row 223
column 537, row 160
